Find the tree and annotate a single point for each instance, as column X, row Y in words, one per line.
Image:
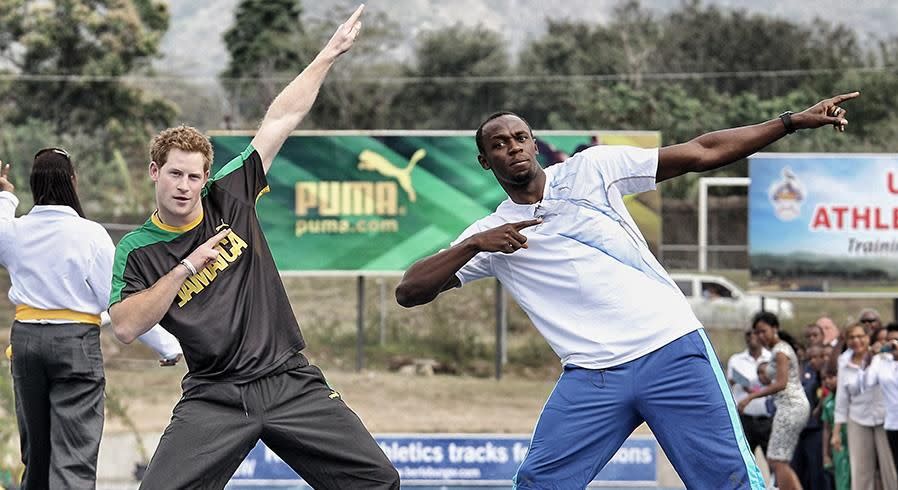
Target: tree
column 67, row 58
column 432, row 102
column 70, row 55
column 618, row 51
column 266, row 42
column 708, row 39
column 271, row 42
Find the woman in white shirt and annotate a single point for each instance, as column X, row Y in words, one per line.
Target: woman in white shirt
column 883, row 372
column 60, row 267
column 863, row 412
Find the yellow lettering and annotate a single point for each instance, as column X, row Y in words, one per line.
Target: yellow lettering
column 220, row 263
column 184, row 294
column 205, row 276
column 306, row 197
column 237, row 244
column 386, row 199
column 360, row 196
column 196, row 283
column 330, row 198
column 347, row 198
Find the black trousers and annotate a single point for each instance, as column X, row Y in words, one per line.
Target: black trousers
column 757, row 431
column 58, row 379
column 295, row 413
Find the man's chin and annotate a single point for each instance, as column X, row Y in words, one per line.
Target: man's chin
column 180, row 209
column 522, row 178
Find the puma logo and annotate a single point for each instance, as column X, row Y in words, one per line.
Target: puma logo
column 369, row 160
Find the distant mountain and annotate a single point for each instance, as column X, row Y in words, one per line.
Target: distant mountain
column 193, row 46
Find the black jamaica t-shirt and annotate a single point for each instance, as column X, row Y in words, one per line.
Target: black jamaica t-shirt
column 233, row 318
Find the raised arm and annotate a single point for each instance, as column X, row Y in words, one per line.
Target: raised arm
column 10, row 202
column 138, row 313
column 430, row 276
column 713, row 150
column 293, row 103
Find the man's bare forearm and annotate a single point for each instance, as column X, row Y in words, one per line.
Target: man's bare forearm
column 729, row 145
column 430, row 276
column 137, row 314
column 290, row 107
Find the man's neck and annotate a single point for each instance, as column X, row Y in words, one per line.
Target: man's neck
column 176, row 221
column 528, row 193
column 755, row 352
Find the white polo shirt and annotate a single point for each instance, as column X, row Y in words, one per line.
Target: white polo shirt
column 56, row 259
column 853, row 402
column 883, row 371
column 588, row 281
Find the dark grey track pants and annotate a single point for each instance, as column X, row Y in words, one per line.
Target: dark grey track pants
column 59, row 385
column 295, row 413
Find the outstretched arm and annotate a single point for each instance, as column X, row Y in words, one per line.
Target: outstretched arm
column 719, row 148
column 294, row 102
column 430, row 276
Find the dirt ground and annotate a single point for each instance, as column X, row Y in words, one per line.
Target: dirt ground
column 386, row 402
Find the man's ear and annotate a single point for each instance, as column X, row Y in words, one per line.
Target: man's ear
column 154, row 170
column 482, row 161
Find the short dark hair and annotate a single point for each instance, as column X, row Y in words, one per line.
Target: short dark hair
column 892, row 327
column 52, row 179
column 766, row 317
column 478, row 136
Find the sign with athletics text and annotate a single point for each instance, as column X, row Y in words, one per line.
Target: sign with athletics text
column 825, row 222
column 461, row 459
column 369, row 202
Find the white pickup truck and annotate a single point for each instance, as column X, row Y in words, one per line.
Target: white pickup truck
column 718, row 303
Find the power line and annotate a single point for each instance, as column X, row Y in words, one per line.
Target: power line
column 611, row 77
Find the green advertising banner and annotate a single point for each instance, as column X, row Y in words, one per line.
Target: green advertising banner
column 375, row 202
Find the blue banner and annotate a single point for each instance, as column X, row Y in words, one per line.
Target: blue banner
column 461, row 459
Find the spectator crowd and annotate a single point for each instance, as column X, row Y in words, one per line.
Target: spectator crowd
column 823, row 409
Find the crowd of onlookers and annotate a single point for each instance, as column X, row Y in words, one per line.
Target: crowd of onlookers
column 823, row 409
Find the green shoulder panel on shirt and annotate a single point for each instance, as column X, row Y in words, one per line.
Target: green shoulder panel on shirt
column 147, row 234
column 235, row 163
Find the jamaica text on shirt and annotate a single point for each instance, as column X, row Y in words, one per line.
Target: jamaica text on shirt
column 230, row 248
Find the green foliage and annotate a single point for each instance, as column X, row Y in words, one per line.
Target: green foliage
column 444, row 103
column 264, row 37
column 100, row 163
column 68, row 55
column 271, row 42
column 83, row 41
column 265, row 42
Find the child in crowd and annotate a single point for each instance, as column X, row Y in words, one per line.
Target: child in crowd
column 764, row 379
column 835, row 462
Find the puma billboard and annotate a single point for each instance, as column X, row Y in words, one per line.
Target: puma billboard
column 375, row 202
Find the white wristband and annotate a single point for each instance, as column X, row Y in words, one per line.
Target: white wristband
column 190, row 268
